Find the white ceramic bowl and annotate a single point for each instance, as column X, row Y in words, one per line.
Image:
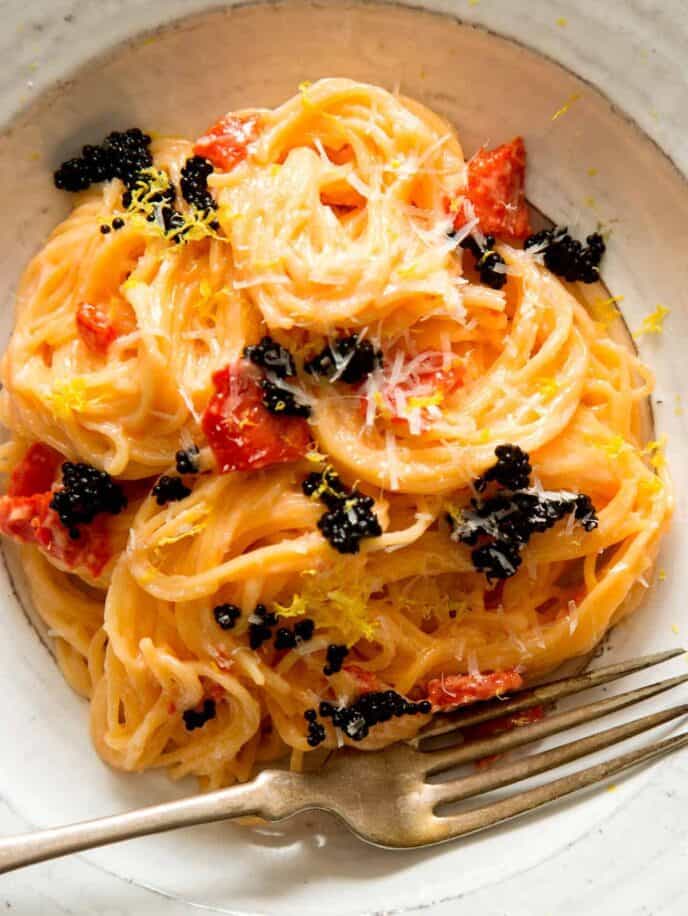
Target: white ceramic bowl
column 590, row 164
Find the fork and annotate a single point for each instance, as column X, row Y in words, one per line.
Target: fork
column 388, row 798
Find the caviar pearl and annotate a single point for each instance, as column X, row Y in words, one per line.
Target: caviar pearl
column 226, row 615
column 170, row 489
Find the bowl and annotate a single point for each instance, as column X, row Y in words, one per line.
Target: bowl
column 589, row 165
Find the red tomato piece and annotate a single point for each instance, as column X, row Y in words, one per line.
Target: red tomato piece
column 505, row 723
column 461, row 689
column 430, row 377
column 493, row 597
column 30, row 520
column 496, row 180
column 95, row 327
column 36, row 472
column 367, row 681
column 226, row 143
column 241, row 431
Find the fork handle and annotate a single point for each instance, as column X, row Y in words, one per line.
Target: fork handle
column 245, row 799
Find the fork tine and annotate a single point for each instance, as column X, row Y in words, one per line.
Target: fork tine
column 509, row 773
column 464, row 753
column 545, row 693
column 447, row 828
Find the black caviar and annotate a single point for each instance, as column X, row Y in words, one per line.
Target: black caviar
column 370, row 709
column 502, row 525
column 186, row 460
column 226, row 615
column 126, row 155
column 196, row 718
column 512, row 470
column 316, row 732
column 85, row 493
column 260, row 627
column 170, row 490
column 488, row 262
column 334, row 659
column 277, row 360
column 349, row 359
column 350, row 517
column 326, row 486
column 163, row 200
column 270, row 355
column 120, row 155
column 290, row 639
column 194, row 183
column 567, row 257
column 279, row 400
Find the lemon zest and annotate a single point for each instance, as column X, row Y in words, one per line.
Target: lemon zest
column 195, row 520
column 548, row 387
column 146, row 202
column 604, row 311
column 654, row 450
column 68, row 397
column 654, row 322
column 650, row 485
column 565, row 107
column 306, row 99
column 315, row 457
column 614, row 446
column 429, row 400
column 345, row 608
column 408, row 270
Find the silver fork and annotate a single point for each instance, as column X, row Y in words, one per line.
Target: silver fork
column 386, row 797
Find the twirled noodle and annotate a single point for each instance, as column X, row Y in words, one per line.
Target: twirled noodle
column 336, row 221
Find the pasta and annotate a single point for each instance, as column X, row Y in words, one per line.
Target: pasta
column 299, row 453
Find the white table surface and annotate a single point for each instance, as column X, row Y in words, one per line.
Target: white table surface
column 636, row 51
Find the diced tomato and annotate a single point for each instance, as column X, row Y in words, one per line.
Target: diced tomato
column 461, row 689
column 241, row 431
column 99, row 324
column 499, row 727
column 30, row 520
column 95, row 327
column 425, row 377
column 505, row 723
column 496, row 180
column 493, row 597
column 36, row 471
column 216, row 692
column 367, row 681
column 226, row 143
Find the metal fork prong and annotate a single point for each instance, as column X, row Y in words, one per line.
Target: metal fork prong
column 507, row 773
column 474, row 750
column 536, row 696
column 452, row 826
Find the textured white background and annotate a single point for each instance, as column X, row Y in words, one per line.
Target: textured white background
column 636, row 51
